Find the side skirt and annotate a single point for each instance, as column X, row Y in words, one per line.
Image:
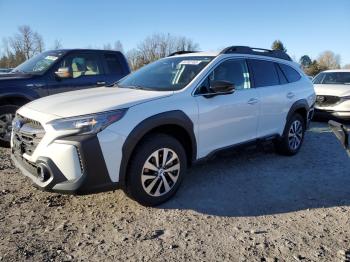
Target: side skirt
column 257, row 141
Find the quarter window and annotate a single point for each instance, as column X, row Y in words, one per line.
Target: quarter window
column 264, row 73
column 113, row 64
column 291, row 74
column 281, row 76
column 234, row 71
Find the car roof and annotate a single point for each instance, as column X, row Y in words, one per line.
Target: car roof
column 82, row 49
column 218, row 53
column 208, row 53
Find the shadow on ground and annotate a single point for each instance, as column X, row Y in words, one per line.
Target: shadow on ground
column 256, row 181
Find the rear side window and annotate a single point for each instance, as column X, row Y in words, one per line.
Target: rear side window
column 113, row 65
column 264, row 73
column 291, row 74
column 281, row 76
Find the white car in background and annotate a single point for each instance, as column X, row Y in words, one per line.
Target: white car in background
column 332, row 89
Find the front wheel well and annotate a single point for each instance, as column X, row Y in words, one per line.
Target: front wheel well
column 178, row 133
column 14, row 100
column 303, row 112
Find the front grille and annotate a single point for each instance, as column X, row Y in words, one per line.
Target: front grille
column 327, row 100
column 27, row 134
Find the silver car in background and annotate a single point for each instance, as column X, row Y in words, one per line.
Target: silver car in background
column 332, row 88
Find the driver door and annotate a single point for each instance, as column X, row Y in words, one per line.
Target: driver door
column 228, row 119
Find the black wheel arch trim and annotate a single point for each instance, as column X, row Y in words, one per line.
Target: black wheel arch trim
column 17, row 95
column 300, row 104
column 175, row 117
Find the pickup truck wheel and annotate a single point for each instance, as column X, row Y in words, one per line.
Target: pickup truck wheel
column 7, row 114
column 156, row 170
column 293, row 136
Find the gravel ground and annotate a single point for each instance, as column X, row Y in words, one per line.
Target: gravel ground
column 248, row 205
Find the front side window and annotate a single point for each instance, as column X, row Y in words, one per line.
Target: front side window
column 82, row 65
column 168, row 74
column 338, row 78
column 39, row 63
column 233, row 71
column 264, row 73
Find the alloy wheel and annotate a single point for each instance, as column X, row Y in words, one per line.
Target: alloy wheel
column 6, row 126
column 160, row 172
column 295, row 135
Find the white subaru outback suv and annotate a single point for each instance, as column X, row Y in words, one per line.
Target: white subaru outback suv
column 141, row 134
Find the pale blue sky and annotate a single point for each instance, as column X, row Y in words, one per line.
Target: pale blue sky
column 305, row 27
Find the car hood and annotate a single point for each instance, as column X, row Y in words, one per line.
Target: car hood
column 332, row 90
column 94, row 100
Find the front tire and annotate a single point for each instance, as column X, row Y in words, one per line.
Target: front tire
column 156, row 170
column 7, row 114
column 293, row 136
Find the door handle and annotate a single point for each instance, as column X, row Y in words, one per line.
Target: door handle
column 290, row 95
column 101, row 83
column 253, row 101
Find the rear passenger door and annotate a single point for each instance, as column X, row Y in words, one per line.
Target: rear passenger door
column 86, row 72
column 275, row 98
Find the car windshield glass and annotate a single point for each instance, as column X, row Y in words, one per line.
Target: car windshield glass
column 39, row 63
column 168, row 74
column 333, row 78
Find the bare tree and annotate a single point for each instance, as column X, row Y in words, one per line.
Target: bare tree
column 107, row 46
column 57, row 44
column 158, row 46
column 27, row 42
column 329, row 60
column 347, row 66
column 118, row 46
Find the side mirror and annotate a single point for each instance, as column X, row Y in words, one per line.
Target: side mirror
column 222, row 87
column 63, row 73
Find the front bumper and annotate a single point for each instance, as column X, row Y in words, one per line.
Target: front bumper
column 345, row 115
column 82, row 162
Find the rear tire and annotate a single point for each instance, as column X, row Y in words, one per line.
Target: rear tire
column 152, row 180
column 293, row 136
column 7, row 114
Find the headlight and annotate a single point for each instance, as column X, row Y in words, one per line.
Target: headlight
column 88, row 124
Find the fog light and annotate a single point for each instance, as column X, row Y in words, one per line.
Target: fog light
column 43, row 173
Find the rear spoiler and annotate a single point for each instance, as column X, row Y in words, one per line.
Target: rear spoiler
column 341, row 133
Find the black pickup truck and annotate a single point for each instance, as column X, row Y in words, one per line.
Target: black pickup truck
column 53, row 72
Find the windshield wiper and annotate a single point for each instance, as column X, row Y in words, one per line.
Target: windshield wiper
column 137, row 87
column 17, row 71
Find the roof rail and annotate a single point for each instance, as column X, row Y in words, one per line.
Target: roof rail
column 182, row 52
column 256, row 51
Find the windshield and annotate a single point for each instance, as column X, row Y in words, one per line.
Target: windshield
column 39, row 63
column 338, row 78
column 168, row 74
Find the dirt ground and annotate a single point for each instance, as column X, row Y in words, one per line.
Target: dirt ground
column 248, row 205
